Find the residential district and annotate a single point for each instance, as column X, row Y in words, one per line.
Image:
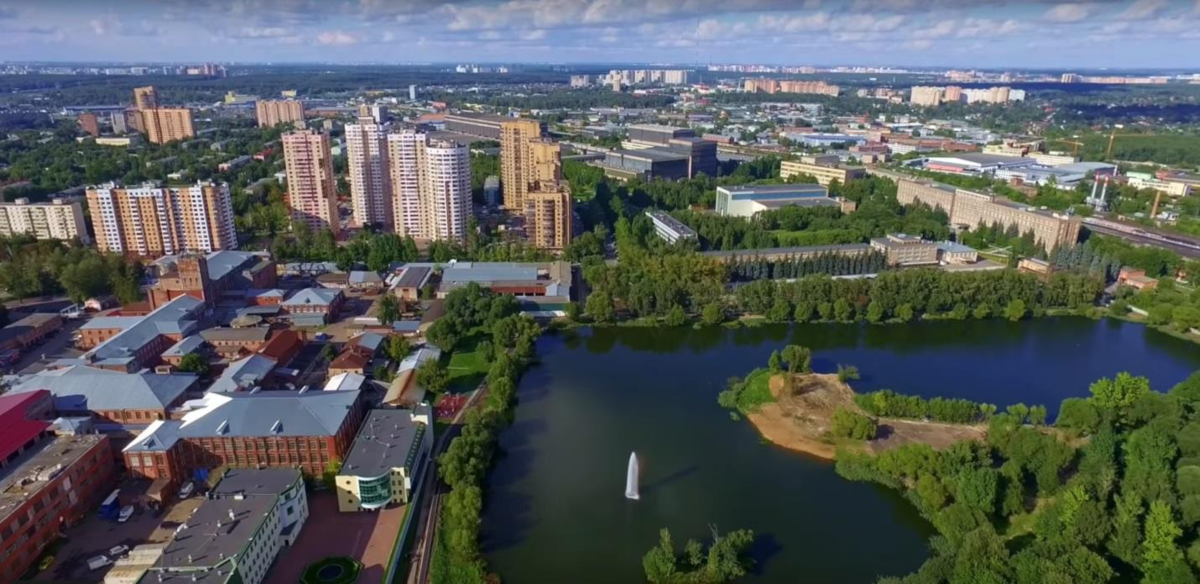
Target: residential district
column 249, row 408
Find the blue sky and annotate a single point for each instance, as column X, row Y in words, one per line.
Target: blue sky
column 956, row 33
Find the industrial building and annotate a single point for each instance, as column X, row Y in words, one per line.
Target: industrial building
column 906, row 250
column 745, row 201
column 825, row 168
column 481, row 125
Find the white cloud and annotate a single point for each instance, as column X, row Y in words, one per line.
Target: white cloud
column 1144, row 9
column 918, row 45
column 337, row 38
column 269, row 32
column 1069, row 12
column 100, row 27
column 533, row 35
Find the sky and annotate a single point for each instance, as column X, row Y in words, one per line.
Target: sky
column 915, row 33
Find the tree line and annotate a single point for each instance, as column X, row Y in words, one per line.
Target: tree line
column 30, row 268
column 1034, row 504
column 751, row 267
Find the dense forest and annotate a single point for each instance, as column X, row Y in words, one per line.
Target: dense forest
column 1111, row 492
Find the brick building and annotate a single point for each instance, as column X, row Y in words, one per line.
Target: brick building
column 48, row 482
column 133, row 343
column 305, row 430
column 211, row 276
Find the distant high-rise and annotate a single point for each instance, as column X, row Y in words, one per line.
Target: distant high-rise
column 272, row 112
column 926, row 96
column 145, row 98
column 312, row 197
column 412, row 93
column 152, row 220
column 89, row 124
column 118, row 123
column 431, row 186
column 367, row 165
column 515, row 165
column 549, row 216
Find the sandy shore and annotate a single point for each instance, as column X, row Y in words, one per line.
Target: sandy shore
column 801, row 417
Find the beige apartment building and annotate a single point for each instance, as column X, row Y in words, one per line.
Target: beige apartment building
column 430, row 183
column 367, row 167
column 926, row 96
column 516, row 168
column 811, row 87
column 145, row 98
column 548, row 217
column 59, row 219
column 972, row 209
column 825, row 169
column 312, row 195
column 153, row 220
column 167, row 124
column 272, row 112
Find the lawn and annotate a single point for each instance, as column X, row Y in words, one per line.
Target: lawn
column 467, row 367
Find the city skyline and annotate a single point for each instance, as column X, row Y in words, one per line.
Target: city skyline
column 983, row 33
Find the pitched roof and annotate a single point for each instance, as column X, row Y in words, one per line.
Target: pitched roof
column 368, row 341
column 16, row 427
column 259, row 414
column 351, row 358
column 174, row 317
column 185, row 346
column 322, row 296
column 282, row 344
column 248, row 334
column 244, row 374
column 345, row 381
column 79, row 388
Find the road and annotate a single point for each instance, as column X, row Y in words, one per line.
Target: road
column 430, row 507
column 1135, row 235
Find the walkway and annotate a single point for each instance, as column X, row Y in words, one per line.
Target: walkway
column 367, row 537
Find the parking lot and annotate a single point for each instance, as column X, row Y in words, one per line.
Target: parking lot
column 58, row 346
column 95, row 536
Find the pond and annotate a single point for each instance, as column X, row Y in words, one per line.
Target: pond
column 555, row 507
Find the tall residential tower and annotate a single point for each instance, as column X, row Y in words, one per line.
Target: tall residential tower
column 152, row 220
column 367, row 163
column 431, row 186
column 312, row 197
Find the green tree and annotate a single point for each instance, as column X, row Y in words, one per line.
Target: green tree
column 875, row 311
column 1120, row 393
column 712, row 313
column 780, row 310
column 194, row 363
column 846, row 372
column 798, row 358
column 853, row 425
column 432, row 376
column 397, row 348
column 775, row 363
column 1015, row 310
column 388, row 309
column 675, row 316
column 599, row 307
column 1159, row 547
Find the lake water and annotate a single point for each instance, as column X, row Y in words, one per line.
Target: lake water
column 555, row 509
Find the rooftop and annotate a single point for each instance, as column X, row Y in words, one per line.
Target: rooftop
column 244, row 374
column 248, row 334
column 414, row 277
column 29, row 472
column 78, row 388
column 783, row 251
column 185, row 346
column 653, row 154
column 258, row 414
column 23, row 325
column 17, row 424
column 388, row 439
column 345, row 382
column 175, row 317
column 220, row 263
column 321, row 296
column 808, row 190
column 670, row 222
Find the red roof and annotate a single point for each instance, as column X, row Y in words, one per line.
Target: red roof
column 15, row 426
column 283, row 346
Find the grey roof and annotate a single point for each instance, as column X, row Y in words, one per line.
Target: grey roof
column 488, row 273
column 205, row 548
column 323, row 296
column 260, row 414
column 414, row 277
column 215, row 335
column 370, row 341
column 29, row 322
column 953, row 247
column 985, row 159
column 363, row 277
column 406, row 326
column 174, row 317
column 654, row 154
column 308, row 320
column 220, row 263
column 248, row 481
column 185, row 346
column 79, row 388
column 799, row 189
column 111, row 322
column 388, row 439
column 244, row 374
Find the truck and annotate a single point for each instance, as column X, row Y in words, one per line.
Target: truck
column 111, row 507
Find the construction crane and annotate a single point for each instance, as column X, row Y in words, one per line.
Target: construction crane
column 1075, row 150
column 1113, row 138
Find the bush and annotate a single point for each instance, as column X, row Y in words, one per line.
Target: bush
column 853, row 425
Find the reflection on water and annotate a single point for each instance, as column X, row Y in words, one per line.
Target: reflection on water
column 555, row 509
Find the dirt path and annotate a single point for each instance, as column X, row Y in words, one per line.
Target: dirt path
column 802, row 414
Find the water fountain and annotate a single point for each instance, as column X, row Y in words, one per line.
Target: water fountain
column 631, row 478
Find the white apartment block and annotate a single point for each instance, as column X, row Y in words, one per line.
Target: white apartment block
column 58, row 219
column 431, row 186
column 367, row 165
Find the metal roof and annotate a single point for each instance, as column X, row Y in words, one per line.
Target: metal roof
column 213, row 335
column 185, row 346
column 174, row 317
column 486, row 273
column 414, row 277
column 322, row 296
column 79, row 388
column 244, row 374
column 388, row 439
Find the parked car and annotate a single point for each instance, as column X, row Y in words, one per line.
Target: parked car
column 118, row 550
column 98, row 562
column 126, row 513
column 186, row 490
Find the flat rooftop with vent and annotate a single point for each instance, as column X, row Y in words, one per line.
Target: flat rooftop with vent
column 235, row 535
column 389, row 454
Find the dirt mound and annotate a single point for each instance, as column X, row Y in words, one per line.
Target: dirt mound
column 802, row 415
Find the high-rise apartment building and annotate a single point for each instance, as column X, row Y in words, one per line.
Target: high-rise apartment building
column 515, row 166
column 118, row 123
column 272, row 112
column 145, row 98
column 153, row 220
column 549, row 216
column 89, row 124
column 926, row 96
column 167, row 124
column 58, row 219
column 431, row 186
column 312, row 197
column 367, row 164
